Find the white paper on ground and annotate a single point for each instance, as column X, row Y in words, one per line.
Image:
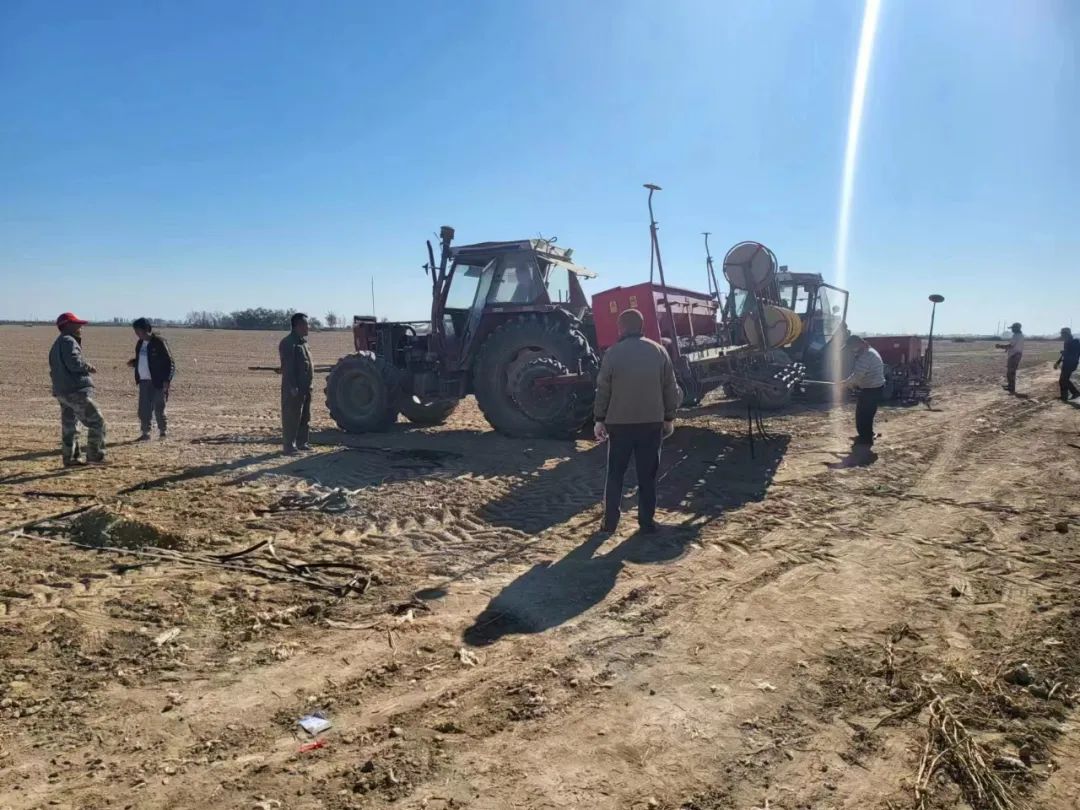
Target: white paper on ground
column 313, row 725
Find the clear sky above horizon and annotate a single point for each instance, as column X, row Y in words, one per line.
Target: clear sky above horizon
column 163, row 157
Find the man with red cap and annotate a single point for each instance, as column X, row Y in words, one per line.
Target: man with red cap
column 73, row 388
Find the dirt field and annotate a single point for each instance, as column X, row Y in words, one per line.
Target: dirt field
column 799, row 637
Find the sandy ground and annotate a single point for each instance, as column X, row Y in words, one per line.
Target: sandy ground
column 798, row 637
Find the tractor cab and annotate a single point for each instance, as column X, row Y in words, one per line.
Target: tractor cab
column 821, row 307
column 490, row 281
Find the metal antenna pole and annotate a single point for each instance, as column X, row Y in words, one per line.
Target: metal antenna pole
column 934, row 300
column 660, row 266
column 653, row 244
column 714, row 288
column 373, row 297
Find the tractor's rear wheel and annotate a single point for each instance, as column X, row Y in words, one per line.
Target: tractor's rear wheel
column 426, row 412
column 508, row 366
column 363, row 393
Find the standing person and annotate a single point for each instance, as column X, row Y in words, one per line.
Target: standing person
column 1069, row 360
column 636, row 398
column 1014, row 350
column 73, row 387
column 297, row 375
column 868, row 378
column 154, row 371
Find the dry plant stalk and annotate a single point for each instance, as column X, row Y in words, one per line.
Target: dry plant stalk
column 950, row 742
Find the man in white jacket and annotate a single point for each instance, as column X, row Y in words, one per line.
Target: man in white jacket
column 868, row 378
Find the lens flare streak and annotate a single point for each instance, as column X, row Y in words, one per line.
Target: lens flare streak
column 851, row 151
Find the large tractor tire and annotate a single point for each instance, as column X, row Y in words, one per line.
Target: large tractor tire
column 363, row 393
column 426, row 412
column 513, row 357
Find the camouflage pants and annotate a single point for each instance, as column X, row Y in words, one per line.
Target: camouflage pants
column 80, row 407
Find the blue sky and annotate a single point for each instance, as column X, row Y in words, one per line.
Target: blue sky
column 160, row 157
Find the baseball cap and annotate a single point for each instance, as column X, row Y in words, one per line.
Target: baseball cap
column 69, row 317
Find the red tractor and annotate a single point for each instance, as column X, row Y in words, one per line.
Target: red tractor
column 504, row 316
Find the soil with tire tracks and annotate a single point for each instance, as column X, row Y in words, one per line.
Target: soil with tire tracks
column 476, row 644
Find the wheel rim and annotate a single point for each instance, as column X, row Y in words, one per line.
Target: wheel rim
column 358, row 394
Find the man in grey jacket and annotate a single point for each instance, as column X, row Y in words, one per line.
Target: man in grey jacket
column 297, row 375
column 636, row 399
column 73, row 388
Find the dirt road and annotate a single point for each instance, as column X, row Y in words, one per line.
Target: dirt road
column 799, row 637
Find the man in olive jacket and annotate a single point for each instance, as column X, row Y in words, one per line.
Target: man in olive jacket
column 636, row 398
column 73, row 387
column 297, row 375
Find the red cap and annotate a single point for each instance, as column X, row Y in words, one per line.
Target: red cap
column 68, row 317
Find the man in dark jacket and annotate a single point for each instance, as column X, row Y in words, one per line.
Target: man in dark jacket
column 297, row 375
column 154, row 371
column 73, row 388
column 636, row 398
column 1069, row 360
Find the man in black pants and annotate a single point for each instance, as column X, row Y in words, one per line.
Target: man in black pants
column 296, row 379
column 868, row 377
column 636, row 398
column 154, row 372
column 1069, row 360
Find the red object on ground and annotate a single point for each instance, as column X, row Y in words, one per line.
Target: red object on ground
column 311, row 746
column 897, row 350
column 695, row 312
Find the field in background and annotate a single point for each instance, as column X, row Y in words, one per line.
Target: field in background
column 473, row 642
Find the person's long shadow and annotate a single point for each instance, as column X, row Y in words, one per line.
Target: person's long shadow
column 547, row 595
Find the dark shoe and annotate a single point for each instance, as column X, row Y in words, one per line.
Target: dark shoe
column 74, row 462
column 648, row 528
column 144, row 437
column 163, row 435
column 289, row 451
column 606, row 528
column 303, row 448
column 96, row 459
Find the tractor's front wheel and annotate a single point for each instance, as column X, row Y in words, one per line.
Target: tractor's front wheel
column 363, row 393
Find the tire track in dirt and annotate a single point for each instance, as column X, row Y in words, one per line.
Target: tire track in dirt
column 695, row 602
column 870, row 560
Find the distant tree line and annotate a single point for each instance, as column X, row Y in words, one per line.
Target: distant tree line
column 256, row 318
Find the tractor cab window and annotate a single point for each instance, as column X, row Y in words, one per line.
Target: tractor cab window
column 517, row 281
column 463, row 287
column 795, row 297
column 558, row 284
column 828, row 313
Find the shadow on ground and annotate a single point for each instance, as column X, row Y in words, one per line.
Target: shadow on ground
column 35, row 455
column 550, row 594
column 703, row 475
column 372, row 460
column 201, row 471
